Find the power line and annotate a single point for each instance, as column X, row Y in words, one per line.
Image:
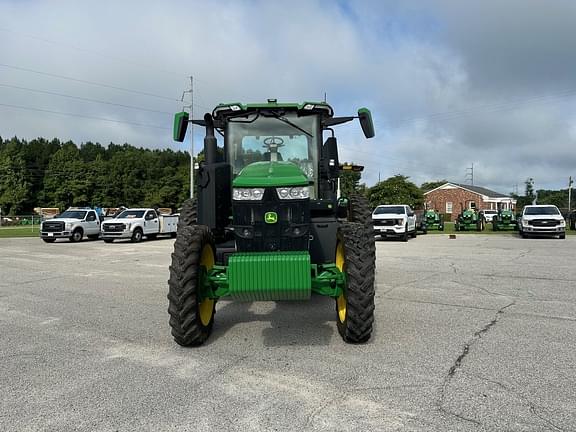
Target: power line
column 88, row 82
column 496, row 107
column 83, row 98
column 86, row 50
column 83, row 116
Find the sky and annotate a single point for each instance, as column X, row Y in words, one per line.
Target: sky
column 451, row 84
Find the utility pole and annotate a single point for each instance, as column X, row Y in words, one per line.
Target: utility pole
column 191, row 109
column 470, row 174
column 569, row 193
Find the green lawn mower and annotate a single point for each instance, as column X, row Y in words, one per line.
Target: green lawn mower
column 469, row 220
column 434, row 220
column 268, row 224
column 504, row 220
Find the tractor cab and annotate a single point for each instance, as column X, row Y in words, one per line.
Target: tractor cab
column 504, row 220
column 268, row 223
column 434, row 220
column 469, row 219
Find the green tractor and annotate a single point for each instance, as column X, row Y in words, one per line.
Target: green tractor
column 504, row 220
column 268, row 224
column 469, row 220
column 434, row 220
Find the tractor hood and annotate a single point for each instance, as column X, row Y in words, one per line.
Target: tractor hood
column 270, row 174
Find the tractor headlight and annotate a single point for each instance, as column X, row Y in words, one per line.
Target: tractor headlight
column 247, row 194
column 298, row 192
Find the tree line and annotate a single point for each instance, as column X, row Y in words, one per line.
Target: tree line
column 43, row 173
column 51, row 173
column 399, row 189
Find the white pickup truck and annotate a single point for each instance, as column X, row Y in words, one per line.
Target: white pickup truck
column 73, row 224
column 542, row 220
column 136, row 223
column 394, row 221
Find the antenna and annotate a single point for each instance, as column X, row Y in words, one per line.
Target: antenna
column 191, row 108
column 470, row 175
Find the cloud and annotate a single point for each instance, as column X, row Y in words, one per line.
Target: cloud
column 450, row 83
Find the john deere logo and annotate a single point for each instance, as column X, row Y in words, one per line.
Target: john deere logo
column 271, row 217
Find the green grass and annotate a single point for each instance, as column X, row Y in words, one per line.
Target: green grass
column 20, row 231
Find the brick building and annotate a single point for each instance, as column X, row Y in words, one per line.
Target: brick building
column 451, row 197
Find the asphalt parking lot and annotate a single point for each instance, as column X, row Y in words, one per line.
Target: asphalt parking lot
column 472, row 333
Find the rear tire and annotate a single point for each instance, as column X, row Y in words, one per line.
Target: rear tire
column 191, row 320
column 355, row 307
column 136, row 236
column 77, row 235
column 360, row 212
column 48, row 240
column 188, row 213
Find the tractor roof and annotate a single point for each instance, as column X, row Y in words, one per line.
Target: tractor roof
column 236, row 108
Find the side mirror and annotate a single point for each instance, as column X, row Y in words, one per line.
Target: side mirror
column 180, row 126
column 365, row 117
column 330, row 157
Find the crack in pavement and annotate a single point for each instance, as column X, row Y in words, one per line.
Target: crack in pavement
column 531, row 405
column 458, row 363
column 438, row 303
column 468, row 284
column 405, row 284
column 511, row 276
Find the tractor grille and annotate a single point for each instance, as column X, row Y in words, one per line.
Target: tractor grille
column 543, row 222
column 113, row 227
column 385, row 222
column 289, row 233
column 55, row 226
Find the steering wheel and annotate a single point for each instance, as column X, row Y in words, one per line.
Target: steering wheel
column 273, row 142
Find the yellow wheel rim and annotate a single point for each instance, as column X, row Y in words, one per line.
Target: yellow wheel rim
column 341, row 300
column 206, row 307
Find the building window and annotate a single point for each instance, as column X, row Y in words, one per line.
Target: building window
column 472, row 205
column 448, row 207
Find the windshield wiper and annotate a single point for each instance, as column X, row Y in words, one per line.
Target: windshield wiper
column 285, row 120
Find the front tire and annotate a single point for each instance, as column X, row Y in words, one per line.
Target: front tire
column 191, row 318
column 360, row 212
column 77, row 235
column 355, row 307
column 137, row 236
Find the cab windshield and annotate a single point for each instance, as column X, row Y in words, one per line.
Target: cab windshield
column 131, row 214
column 389, row 210
column 541, row 211
column 72, row 214
column 258, row 137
